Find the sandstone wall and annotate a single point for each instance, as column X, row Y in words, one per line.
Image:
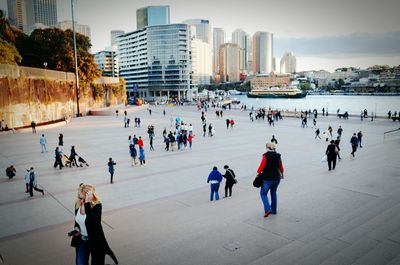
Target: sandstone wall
column 42, row 100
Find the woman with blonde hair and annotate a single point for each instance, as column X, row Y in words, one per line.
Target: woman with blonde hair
column 88, row 210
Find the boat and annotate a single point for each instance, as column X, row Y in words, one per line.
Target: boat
column 276, row 92
column 234, row 92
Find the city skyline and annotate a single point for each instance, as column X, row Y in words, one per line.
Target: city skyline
column 321, row 35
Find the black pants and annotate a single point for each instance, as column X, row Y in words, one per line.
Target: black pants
column 354, row 147
column 331, row 160
column 228, row 187
column 112, row 176
column 31, row 188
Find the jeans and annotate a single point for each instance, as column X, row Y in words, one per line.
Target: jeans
column 272, row 186
column 43, row 148
column 214, row 189
column 82, row 253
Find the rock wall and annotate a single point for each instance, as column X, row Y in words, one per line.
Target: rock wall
column 41, row 100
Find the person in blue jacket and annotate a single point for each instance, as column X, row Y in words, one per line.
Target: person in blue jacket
column 214, row 178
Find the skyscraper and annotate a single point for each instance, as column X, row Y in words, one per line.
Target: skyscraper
column 41, row 12
column 152, row 16
column 17, row 13
column 79, row 28
column 288, row 63
column 229, row 54
column 154, row 68
column 201, row 62
column 218, row 40
column 240, row 38
column 114, row 34
column 262, row 52
column 202, row 29
column 107, row 62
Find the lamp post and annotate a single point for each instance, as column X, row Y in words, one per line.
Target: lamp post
column 76, row 60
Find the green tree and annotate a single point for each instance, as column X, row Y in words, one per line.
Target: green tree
column 305, row 86
column 8, row 53
column 55, row 47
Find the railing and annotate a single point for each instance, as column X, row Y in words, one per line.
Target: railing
column 392, row 131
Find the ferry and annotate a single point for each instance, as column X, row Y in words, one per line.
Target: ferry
column 276, row 92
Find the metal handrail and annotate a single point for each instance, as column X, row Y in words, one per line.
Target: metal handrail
column 384, row 134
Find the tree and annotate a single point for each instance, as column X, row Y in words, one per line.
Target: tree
column 8, row 53
column 55, row 47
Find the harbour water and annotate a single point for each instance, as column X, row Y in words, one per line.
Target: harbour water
column 353, row 104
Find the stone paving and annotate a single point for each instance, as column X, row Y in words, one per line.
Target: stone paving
column 161, row 213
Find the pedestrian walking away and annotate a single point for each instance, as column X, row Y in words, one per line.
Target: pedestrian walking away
column 354, row 143
column 61, row 139
column 33, row 125
column 27, row 180
column 214, row 178
column 340, row 131
column 33, row 183
column 359, row 138
column 271, row 171
column 111, row 169
column 337, row 142
column 331, row 153
column 133, row 154
column 73, row 156
column 273, row 140
column 151, row 143
column 317, row 134
column 230, row 180
column 142, row 157
column 88, row 235
column 43, row 143
column 58, row 158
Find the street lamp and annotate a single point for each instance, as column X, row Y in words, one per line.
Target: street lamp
column 45, row 65
column 76, row 60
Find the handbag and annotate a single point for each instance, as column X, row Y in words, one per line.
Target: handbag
column 258, row 181
column 324, row 159
column 76, row 241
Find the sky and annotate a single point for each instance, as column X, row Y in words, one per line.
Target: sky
column 322, row 34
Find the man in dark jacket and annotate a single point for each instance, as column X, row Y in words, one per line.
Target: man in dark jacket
column 354, row 143
column 230, row 180
column 331, row 154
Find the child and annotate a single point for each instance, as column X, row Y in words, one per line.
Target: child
column 111, row 169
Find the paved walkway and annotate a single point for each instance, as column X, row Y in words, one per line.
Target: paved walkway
column 160, row 214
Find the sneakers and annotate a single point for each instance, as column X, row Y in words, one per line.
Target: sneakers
column 267, row 213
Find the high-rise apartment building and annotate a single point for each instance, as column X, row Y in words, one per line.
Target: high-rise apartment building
column 152, row 16
column 107, row 62
column 229, row 60
column 262, row 52
column 114, row 34
column 40, row 12
column 288, row 63
column 17, row 13
column 79, row 28
column 155, row 61
column 240, row 38
column 201, row 28
column 218, row 40
column 249, row 54
column 201, row 62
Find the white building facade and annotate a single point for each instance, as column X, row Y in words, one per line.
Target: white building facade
column 79, row 28
column 201, row 62
column 240, row 38
column 262, row 52
column 288, row 63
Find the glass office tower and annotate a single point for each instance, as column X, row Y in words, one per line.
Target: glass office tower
column 152, row 16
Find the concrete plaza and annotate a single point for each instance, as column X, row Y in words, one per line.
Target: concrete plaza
column 161, row 213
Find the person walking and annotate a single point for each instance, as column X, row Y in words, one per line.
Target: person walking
column 331, row 153
column 133, row 154
column 214, row 178
column 58, row 158
column 10, row 172
column 359, row 138
column 72, row 157
column 230, row 180
column 337, row 142
column 340, row 131
column 33, row 125
column 111, row 168
column 330, row 130
column 61, row 139
column 151, row 142
column 271, row 171
column 91, row 238
column 142, row 157
column 273, row 140
column 140, row 142
column 43, row 143
column 33, row 183
column 354, row 143
column 204, row 129
column 27, row 180
column 228, row 122
column 190, row 140
column 317, row 132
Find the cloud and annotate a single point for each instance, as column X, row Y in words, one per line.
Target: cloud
column 356, row 44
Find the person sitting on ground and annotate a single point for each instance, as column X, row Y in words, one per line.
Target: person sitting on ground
column 10, row 172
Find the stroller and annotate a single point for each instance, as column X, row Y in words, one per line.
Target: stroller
column 82, row 161
column 67, row 161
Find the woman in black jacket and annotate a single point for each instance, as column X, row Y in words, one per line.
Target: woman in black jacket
column 91, row 208
column 331, row 153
